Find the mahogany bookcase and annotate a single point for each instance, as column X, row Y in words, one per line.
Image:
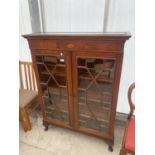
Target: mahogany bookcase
column 78, row 77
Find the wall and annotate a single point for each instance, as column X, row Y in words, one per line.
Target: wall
column 121, row 19
column 73, row 15
column 87, row 16
column 24, row 28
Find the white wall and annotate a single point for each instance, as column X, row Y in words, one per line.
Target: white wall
column 73, row 15
column 87, row 16
column 121, row 18
column 24, row 28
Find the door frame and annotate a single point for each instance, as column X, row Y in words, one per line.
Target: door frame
column 67, row 57
column 117, row 56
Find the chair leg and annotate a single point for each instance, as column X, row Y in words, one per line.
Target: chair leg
column 27, row 120
column 122, row 152
column 22, row 121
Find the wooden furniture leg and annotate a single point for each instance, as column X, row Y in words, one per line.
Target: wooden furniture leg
column 22, row 121
column 46, row 125
column 122, row 152
column 27, row 120
column 110, row 144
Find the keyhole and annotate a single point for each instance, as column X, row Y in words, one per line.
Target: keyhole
column 61, row 59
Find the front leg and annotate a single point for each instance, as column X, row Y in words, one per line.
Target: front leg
column 45, row 123
column 110, row 148
column 110, row 145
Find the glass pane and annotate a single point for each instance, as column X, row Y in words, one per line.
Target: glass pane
column 52, row 74
column 95, row 78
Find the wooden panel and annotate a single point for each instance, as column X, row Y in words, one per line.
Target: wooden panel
column 48, row 52
column 92, row 45
column 72, row 45
column 77, row 45
column 103, row 45
column 45, row 44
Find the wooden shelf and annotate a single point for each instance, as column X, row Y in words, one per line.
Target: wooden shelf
column 93, row 97
column 48, row 63
column 91, row 123
column 39, row 63
column 61, row 101
column 101, row 79
column 55, row 73
column 101, row 114
column 93, row 69
column 83, row 85
column 106, row 105
column 80, row 77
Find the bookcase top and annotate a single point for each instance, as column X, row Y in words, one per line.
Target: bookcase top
column 73, row 35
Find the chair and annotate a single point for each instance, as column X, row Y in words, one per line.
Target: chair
column 128, row 145
column 27, row 92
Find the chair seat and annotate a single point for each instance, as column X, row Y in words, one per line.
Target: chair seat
column 26, row 96
column 130, row 135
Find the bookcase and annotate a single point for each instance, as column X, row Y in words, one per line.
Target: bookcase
column 78, row 77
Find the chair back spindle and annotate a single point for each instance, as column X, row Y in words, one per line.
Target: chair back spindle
column 27, row 76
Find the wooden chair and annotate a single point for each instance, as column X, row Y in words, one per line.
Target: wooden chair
column 128, row 145
column 27, row 92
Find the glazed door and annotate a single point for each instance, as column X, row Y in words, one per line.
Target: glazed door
column 53, row 72
column 93, row 89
